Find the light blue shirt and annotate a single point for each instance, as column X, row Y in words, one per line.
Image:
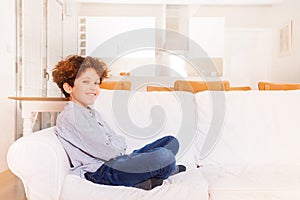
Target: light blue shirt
column 87, row 139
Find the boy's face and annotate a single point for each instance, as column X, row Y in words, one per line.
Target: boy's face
column 86, row 88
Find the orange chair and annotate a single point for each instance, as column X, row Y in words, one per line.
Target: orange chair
column 124, row 73
column 198, row 86
column 116, row 85
column 243, row 88
column 278, row 86
column 159, row 89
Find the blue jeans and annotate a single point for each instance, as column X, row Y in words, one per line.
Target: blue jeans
column 155, row 160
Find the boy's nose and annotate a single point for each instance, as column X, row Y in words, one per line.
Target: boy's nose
column 94, row 86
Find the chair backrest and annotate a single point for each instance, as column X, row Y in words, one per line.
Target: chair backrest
column 198, row 86
column 278, row 86
column 244, row 88
column 116, row 85
column 159, row 89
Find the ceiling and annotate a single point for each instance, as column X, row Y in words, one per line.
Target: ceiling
column 184, row 2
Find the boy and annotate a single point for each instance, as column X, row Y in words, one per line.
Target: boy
column 94, row 150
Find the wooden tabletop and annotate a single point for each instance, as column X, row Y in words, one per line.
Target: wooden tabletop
column 39, row 98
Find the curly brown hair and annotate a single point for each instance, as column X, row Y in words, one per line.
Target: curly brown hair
column 66, row 71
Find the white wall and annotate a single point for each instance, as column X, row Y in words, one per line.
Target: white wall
column 287, row 68
column 70, row 28
column 247, row 42
column 7, row 78
column 117, row 25
column 238, row 16
column 208, row 32
column 247, row 56
column 264, row 19
column 32, row 48
column 271, row 18
column 129, row 10
column 245, row 18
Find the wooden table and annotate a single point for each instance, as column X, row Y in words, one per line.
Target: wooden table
column 31, row 106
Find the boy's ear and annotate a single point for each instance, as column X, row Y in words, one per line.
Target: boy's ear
column 67, row 88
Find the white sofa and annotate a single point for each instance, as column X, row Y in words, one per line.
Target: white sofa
column 258, row 154
column 236, row 145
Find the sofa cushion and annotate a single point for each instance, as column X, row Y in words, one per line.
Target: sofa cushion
column 254, row 182
column 188, row 185
column 142, row 117
column 257, row 128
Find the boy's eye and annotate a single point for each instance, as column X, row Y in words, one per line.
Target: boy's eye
column 85, row 82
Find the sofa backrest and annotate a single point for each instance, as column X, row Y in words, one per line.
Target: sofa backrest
column 143, row 117
column 257, row 128
column 40, row 161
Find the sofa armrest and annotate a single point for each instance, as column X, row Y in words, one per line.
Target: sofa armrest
column 40, row 161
